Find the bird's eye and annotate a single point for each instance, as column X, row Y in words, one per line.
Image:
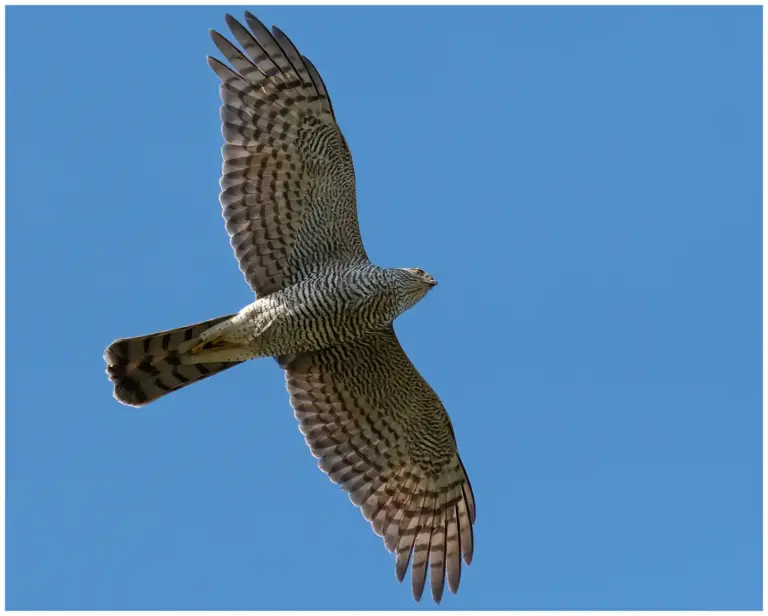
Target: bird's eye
column 418, row 271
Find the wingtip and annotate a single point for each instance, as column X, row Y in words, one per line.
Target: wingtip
column 418, row 581
column 400, row 574
column 437, row 595
column 454, row 575
column 255, row 23
column 233, row 23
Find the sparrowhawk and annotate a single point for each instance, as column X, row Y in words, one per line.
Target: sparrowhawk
column 322, row 309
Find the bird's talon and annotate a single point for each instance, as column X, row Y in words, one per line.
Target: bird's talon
column 211, row 345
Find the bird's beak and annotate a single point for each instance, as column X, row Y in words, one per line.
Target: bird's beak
column 433, row 283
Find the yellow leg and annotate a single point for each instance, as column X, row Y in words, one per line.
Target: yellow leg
column 212, row 345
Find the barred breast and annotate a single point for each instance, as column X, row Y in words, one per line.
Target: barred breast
column 335, row 307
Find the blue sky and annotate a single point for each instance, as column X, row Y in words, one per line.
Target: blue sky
column 584, row 183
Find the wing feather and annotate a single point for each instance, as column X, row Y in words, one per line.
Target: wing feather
column 453, row 551
column 288, row 183
column 382, row 433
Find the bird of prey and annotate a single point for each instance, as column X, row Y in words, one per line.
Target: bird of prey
column 322, row 309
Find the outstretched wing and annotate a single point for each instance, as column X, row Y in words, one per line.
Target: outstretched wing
column 381, row 432
column 288, row 185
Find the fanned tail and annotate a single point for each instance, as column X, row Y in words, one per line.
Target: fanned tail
column 146, row 368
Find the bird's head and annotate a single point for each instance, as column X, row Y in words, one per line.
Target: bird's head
column 419, row 278
column 413, row 284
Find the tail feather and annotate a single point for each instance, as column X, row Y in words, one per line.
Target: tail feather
column 146, row 368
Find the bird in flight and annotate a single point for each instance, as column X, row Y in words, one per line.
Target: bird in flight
column 322, row 309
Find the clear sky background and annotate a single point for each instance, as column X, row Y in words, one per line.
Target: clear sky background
column 585, row 183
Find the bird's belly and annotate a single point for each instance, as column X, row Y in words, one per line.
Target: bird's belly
column 316, row 323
